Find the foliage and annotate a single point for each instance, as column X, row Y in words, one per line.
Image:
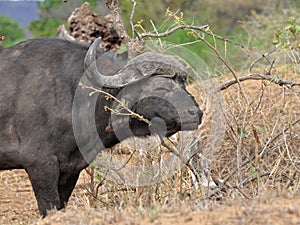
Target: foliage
column 261, row 27
column 280, row 28
column 60, row 9
column 45, row 27
column 54, row 13
column 289, row 36
column 11, row 30
column 288, row 39
column 45, row 5
column 198, row 47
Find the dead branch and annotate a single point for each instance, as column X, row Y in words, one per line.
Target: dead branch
column 256, row 76
column 223, row 60
column 218, row 54
column 131, row 16
column 114, row 7
column 171, row 31
column 121, row 104
column 264, row 56
column 63, row 33
column 167, row 143
column 134, row 46
column 204, row 29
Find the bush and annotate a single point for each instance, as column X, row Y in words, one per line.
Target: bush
column 45, row 27
column 11, row 30
column 54, row 13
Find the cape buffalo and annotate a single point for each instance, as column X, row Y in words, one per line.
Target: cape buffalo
column 47, row 121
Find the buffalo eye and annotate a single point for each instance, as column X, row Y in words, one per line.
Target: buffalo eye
column 180, row 80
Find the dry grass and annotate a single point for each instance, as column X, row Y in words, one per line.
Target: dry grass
column 261, row 211
column 254, row 168
column 258, row 156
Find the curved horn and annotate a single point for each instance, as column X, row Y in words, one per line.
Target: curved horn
column 144, row 65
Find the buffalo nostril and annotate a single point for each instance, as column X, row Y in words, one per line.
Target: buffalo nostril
column 193, row 111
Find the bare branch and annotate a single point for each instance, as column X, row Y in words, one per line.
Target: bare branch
column 114, row 7
column 177, row 153
column 121, row 104
column 224, row 61
column 200, row 37
column 167, row 33
column 256, row 76
column 261, row 57
column 187, row 27
column 63, row 33
column 134, row 46
column 131, row 16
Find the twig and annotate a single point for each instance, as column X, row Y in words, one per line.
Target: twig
column 289, row 154
column 239, row 145
column 261, row 57
column 188, row 27
column 254, row 178
column 171, row 31
column 231, row 69
column 180, row 156
column 127, row 161
column 134, row 46
column 122, row 104
column 154, row 27
column 221, row 58
column 119, row 26
column 256, row 76
column 131, row 16
column 243, row 193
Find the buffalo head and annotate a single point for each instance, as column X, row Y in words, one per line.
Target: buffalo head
column 151, row 85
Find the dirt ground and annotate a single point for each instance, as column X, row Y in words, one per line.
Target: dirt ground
column 18, row 206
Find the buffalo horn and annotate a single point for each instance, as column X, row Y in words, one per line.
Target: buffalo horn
column 144, row 65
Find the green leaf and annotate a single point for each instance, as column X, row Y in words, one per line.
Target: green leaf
column 242, row 132
column 291, row 28
column 91, row 93
column 292, row 20
column 258, row 128
column 11, row 30
column 276, row 40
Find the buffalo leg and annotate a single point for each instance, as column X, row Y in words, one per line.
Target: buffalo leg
column 44, row 178
column 65, row 190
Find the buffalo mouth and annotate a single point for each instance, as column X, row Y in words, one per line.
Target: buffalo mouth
column 167, row 130
column 189, row 126
column 158, row 126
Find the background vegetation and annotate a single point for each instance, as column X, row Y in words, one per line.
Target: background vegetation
column 248, row 22
column 11, row 30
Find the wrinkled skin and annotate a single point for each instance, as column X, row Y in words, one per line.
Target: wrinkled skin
column 38, row 83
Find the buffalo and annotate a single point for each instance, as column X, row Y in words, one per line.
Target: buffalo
column 53, row 128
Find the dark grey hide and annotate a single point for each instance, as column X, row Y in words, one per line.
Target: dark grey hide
column 39, row 79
